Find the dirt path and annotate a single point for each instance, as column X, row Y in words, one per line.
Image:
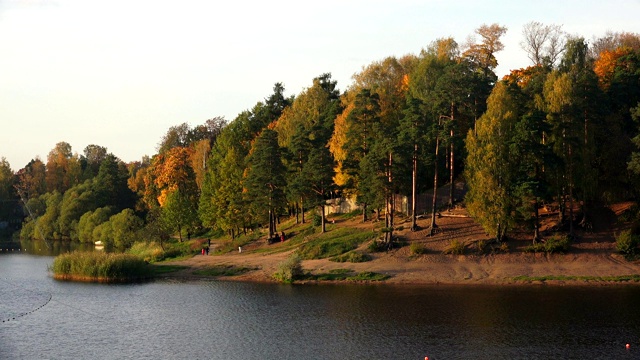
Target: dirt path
column 592, row 256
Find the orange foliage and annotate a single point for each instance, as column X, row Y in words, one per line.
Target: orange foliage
column 523, row 76
column 605, row 65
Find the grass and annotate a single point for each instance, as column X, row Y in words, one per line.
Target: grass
column 222, row 270
column 100, row 267
column 347, row 275
column 352, row 256
column 333, row 243
column 621, row 278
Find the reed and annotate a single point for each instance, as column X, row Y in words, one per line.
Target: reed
column 99, row 267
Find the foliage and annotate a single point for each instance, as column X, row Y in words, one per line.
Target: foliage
column 627, row 243
column 455, row 247
column 99, row 266
column 289, row 270
column 417, row 248
column 557, row 243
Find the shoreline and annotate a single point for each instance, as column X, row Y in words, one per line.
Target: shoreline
column 571, row 269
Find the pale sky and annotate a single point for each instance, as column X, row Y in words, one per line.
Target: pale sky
column 119, row 73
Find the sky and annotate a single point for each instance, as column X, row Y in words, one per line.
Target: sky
column 119, row 74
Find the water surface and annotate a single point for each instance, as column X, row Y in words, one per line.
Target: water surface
column 44, row 318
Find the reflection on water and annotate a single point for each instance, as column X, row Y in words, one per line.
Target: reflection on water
column 229, row 320
column 43, row 248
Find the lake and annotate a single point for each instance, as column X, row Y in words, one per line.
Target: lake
column 167, row 319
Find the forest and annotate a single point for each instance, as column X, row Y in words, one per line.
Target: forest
column 561, row 131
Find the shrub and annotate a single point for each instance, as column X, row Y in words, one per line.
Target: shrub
column 377, row 246
column 554, row 244
column 481, row 246
column 417, row 249
column 456, row 247
column 317, row 220
column 627, row 242
column 289, row 270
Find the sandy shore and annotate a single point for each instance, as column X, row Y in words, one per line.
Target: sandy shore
column 437, row 268
column 592, row 255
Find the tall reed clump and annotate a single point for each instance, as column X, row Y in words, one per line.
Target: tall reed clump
column 99, row 266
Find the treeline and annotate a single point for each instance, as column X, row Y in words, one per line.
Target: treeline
column 562, row 130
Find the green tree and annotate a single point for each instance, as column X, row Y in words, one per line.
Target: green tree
column 264, row 179
column 179, row 212
column 489, row 166
column 90, row 220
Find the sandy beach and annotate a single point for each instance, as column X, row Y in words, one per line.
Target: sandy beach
column 592, row 255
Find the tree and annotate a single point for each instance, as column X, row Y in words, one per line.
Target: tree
column 179, row 212
column 264, row 179
column 318, row 170
column 543, row 43
column 482, row 54
column 63, row 169
column 489, row 165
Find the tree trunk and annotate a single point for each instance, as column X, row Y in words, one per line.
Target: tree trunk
column 364, row 213
column 322, row 220
column 435, row 191
column 414, row 187
column 536, row 224
column 451, row 160
column 302, row 208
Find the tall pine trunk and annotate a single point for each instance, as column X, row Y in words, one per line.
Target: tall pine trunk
column 435, row 190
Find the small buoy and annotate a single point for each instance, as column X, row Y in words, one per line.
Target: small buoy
column 426, row 358
column 627, row 346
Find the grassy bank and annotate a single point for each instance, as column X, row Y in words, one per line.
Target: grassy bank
column 99, row 267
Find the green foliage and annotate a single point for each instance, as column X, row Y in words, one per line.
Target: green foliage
column 455, row 247
column 289, row 270
column 377, row 246
column 352, row 256
column 417, row 248
column 179, row 212
column 627, row 243
column 99, row 266
column 89, row 221
column 558, row 243
column 120, row 231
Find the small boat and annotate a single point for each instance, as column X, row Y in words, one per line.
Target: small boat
column 99, row 245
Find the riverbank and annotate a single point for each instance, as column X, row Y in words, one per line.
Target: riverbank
column 591, row 259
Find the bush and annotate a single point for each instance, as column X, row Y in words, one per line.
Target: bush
column 289, row 270
column 456, row 247
column 417, row 249
column 317, row 220
column 555, row 244
column 627, row 242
